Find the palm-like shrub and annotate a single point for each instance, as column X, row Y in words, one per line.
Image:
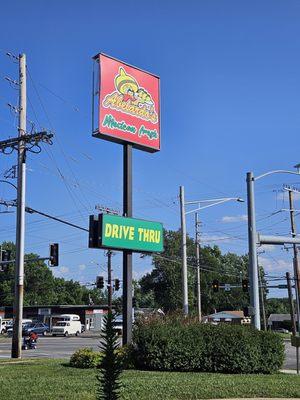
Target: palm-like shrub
column 110, row 366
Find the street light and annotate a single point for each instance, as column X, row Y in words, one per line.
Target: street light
column 252, row 240
column 207, row 203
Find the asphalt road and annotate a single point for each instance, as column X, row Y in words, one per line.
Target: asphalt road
column 52, row 347
column 64, row 347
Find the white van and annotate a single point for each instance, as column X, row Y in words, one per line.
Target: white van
column 68, row 324
column 4, row 325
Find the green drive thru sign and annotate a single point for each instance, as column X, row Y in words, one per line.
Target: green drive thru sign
column 131, row 234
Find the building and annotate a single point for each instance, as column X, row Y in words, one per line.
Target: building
column 231, row 317
column 277, row 321
column 91, row 316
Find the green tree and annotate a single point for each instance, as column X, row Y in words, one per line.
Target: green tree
column 277, row 306
column 164, row 281
column 41, row 287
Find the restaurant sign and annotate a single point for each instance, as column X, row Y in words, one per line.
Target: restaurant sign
column 129, row 110
column 130, row 234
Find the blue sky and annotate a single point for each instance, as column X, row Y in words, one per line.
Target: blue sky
column 230, row 97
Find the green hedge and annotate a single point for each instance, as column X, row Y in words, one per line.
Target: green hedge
column 182, row 345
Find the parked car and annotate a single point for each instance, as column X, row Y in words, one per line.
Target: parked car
column 119, row 325
column 39, row 327
column 281, row 330
column 9, row 329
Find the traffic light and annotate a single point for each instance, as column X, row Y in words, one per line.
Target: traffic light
column 215, row 285
column 5, row 256
column 246, row 311
column 117, row 284
column 53, row 261
column 245, row 285
column 100, row 282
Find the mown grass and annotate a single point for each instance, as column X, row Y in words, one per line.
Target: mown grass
column 52, row 379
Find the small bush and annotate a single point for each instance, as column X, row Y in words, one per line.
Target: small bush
column 88, row 358
column 185, row 345
column 85, row 358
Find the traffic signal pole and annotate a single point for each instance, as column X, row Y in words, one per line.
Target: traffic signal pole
column 252, row 239
column 16, row 350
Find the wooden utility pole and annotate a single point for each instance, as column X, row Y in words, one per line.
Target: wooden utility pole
column 16, row 349
column 292, row 311
column 296, row 255
column 197, row 223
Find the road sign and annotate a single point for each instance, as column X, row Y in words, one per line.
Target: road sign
column 119, row 233
column 227, row 287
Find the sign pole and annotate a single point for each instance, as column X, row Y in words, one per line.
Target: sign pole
column 127, row 255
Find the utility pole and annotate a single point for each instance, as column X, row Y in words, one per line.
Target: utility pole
column 197, row 224
column 262, row 300
column 294, row 330
column 20, row 224
column 109, row 280
column 184, row 255
column 296, row 256
column 23, row 142
column 252, row 239
column 292, row 311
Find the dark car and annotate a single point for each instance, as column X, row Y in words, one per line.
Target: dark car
column 39, row 327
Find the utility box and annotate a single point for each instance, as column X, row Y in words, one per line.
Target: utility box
column 295, row 341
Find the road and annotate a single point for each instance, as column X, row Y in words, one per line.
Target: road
column 64, row 347
column 52, row 347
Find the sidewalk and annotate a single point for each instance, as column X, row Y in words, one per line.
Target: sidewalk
column 289, row 371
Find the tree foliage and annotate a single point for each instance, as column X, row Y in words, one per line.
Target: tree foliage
column 163, row 283
column 41, row 287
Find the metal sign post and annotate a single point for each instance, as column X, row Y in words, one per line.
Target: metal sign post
column 127, row 254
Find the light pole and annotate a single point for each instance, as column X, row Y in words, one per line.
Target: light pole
column 207, row 203
column 252, row 240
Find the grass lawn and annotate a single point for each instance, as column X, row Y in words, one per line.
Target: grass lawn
column 51, row 379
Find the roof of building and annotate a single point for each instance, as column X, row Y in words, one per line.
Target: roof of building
column 227, row 314
column 279, row 317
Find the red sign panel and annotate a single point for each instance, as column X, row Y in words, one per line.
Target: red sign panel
column 128, row 105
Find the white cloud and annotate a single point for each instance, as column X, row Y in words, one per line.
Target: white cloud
column 267, row 248
column 81, row 267
column 215, row 238
column 237, row 218
column 63, row 270
column 139, row 274
column 275, row 265
column 283, row 195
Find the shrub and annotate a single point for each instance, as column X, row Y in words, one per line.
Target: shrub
column 125, row 354
column 85, row 358
column 185, row 345
column 88, row 358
